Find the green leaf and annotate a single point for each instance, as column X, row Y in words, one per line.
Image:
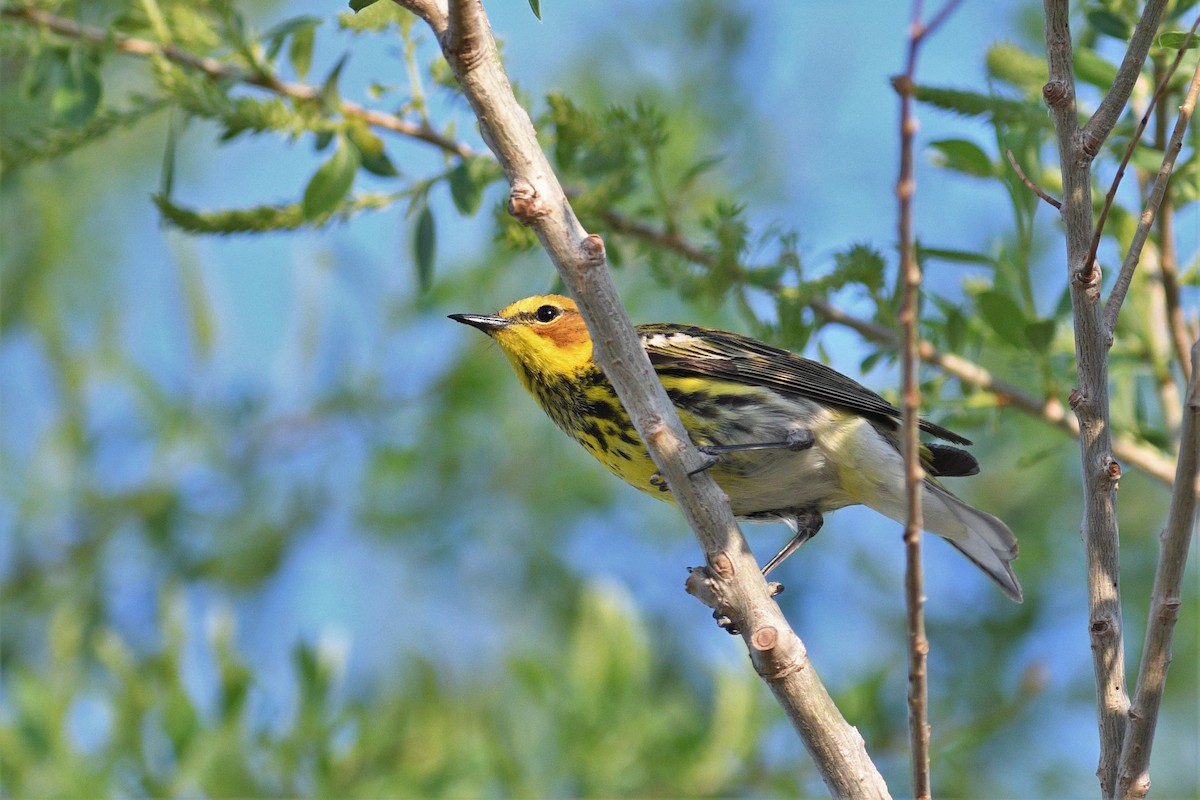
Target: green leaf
column 330, row 95
column 330, row 183
column 300, row 30
column 1146, row 158
column 359, row 5
column 698, row 169
column 1014, row 65
column 1173, row 40
column 1002, row 314
column 964, row 156
column 371, row 151
column 956, row 329
column 467, row 182
column 374, row 17
column 167, row 184
column 77, row 97
column 424, row 248
column 972, row 104
column 956, row 256
column 1040, row 334
column 1110, row 23
column 536, row 6
column 300, row 52
column 1093, row 68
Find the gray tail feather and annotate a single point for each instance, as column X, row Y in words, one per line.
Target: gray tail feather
column 979, row 536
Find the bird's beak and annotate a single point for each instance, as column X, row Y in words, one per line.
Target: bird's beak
column 487, row 323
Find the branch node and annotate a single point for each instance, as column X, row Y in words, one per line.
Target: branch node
column 591, row 249
column 765, row 638
column 1075, row 399
column 1113, row 468
column 525, row 204
column 1102, row 627
column 770, row 660
column 1088, row 276
column 699, row 584
column 1057, row 94
column 721, row 566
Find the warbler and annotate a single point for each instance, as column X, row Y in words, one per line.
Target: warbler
column 791, row 439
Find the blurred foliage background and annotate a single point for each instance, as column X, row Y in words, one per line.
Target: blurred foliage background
column 270, row 525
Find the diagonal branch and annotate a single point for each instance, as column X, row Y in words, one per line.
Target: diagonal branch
column 733, row 577
column 1097, row 129
column 1117, row 296
column 1025, row 179
column 1152, row 206
column 1134, row 775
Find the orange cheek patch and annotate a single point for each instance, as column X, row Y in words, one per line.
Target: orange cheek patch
column 569, row 333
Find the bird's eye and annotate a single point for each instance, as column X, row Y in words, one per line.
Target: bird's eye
column 547, row 313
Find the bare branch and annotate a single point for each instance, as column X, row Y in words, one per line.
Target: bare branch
column 1121, row 286
column 732, row 577
column 914, row 474
column 1096, row 131
column 1024, row 179
column 1134, row 774
column 1090, row 399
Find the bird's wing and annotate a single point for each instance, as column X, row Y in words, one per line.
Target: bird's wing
column 687, row 350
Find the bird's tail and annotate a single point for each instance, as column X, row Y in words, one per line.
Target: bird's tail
column 978, row 535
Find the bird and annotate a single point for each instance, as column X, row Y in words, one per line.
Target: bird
column 789, row 438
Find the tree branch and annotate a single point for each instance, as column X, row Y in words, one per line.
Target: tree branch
column 1121, row 286
column 1097, row 129
column 1025, row 179
column 1134, row 773
column 1077, row 148
column 914, row 474
column 732, row 579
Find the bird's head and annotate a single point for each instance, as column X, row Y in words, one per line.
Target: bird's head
column 543, row 336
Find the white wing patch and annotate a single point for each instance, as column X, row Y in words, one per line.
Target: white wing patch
column 663, row 339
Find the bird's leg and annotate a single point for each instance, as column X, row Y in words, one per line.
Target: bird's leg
column 808, row 523
column 795, row 441
column 801, row 439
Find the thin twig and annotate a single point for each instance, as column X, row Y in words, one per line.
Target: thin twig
column 1129, row 148
column 914, row 474
column 1024, row 179
column 1134, row 774
column 1121, row 286
column 1097, row 129
column 1168, row 264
